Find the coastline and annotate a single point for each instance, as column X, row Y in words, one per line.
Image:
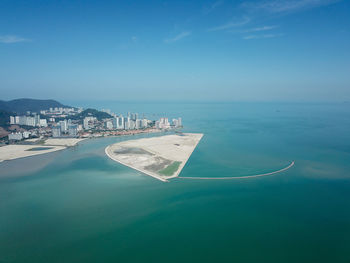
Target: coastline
column 130, row 166
column 17, row 151
column 12, row 152
column 163, row 147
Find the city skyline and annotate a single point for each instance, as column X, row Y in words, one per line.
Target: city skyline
column 273, row 50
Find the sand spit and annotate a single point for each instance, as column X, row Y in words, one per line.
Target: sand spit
column 11, row 152
column 160, row 157
column 63, row 141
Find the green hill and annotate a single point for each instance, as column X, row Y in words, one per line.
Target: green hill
column 21, row 106
column 5, row 118
column 92, row 112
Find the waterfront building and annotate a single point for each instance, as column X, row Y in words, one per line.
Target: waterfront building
column 120, row 122
column 138, row 124
column 127, row 123
column 56, row 131
column 63, row 125
column 163, row 123
column 36, row 120
column 109, row 125
column 26, row 134
column 144, row 123
column 15, row 136
column 86, row 124
column 43, row 123
column 73, row 130
column 30, row 121
column 12, row 120
column 134, row 116
column 115, row 122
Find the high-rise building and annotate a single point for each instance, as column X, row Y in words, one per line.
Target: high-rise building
column 36, row 120
column 163, row 123
column 127, row 123
column 132, row 125
column 43, row 123
column 86, row 124
column 30, row 121
column 120, row 123
column 73, row 130
column 109, row 125
column 56, row 131
column 138, row 124
column 12, row 120
column 63, row 125
column 144, row 123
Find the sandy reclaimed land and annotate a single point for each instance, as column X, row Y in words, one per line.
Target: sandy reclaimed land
column 153, row 156
column 10, row 152
column 63, row 141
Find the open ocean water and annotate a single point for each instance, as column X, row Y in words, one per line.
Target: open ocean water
column 77, row 205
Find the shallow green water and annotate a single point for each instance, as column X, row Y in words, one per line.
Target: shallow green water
column 79, row 206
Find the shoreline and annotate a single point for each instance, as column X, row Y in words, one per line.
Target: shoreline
column 19, row 151
column 241, row 177
column 14, row 152
column 181, row 155
column 142, row 171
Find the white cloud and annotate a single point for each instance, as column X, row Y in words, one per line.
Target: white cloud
column 283, row 6
column 259, row 29
column 207, row 10
column 10, row 39
column 178, row 37
column 230, row 25
column 262, row 36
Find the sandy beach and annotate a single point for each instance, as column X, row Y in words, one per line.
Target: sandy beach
column 63, row 141
column 11, row 152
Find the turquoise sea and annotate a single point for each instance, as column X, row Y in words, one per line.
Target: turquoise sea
column 77, row 205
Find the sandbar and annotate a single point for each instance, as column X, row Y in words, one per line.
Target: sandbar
column 11, row 152
column 161, row 157
column 63, row 141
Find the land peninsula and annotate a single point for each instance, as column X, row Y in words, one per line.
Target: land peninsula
column 160, row 157
column 15, row 151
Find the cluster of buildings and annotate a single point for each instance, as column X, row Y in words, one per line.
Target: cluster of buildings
column 163, row 123
column 58, row 122
column 59, row 111
column 32, row 120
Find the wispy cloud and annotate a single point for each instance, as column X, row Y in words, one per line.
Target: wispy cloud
column 134, row 39
column 230, row 25
column 259, row 29
column 208, row 9
column 262, row 36
column 10, row 39
column 178, row 37
column 284, row 6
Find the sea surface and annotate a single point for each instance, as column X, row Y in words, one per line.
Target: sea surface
column 77, row 205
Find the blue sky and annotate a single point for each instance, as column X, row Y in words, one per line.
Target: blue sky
column 273, row 50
